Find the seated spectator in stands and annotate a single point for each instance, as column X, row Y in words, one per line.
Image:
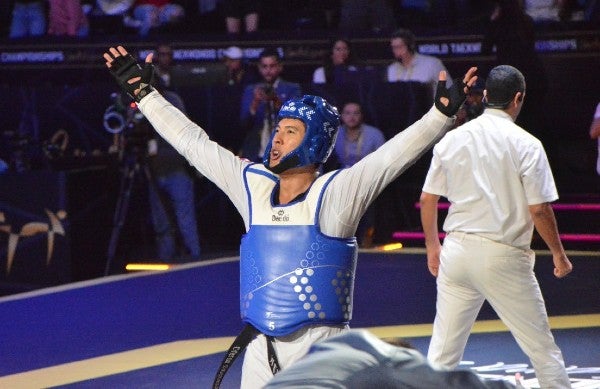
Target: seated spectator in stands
column 155, row 13
column 367, row 15
column 409, row 65
column 28, row 19
column 238, row 72
column 358, row 359
column 542, row 11
column 261, row 102
column 66, row 17
column 340, row 58
column 117, row 8
column 238, row 12
column 595, row 133
column 356, row 140
column 114, row 7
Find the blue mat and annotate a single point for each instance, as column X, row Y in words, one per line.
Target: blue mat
column 115, row 314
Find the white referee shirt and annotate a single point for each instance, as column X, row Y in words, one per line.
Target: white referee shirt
column 491, row 170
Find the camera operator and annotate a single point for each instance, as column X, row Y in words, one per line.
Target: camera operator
column 172, row 196
column 123, row 120
column 261, row 102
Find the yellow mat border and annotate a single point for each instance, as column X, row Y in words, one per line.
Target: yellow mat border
column 123, row 362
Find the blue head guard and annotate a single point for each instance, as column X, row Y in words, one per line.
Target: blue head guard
column 321, row 120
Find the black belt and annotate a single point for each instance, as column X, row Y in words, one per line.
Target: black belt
column 239, row 344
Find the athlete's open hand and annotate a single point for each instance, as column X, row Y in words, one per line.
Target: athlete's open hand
column 448, row 101
column 133, row 78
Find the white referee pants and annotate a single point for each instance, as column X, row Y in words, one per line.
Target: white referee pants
column 255, row 369
column 474, row 269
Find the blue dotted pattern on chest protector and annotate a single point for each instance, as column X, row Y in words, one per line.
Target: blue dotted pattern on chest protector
column 291, row 276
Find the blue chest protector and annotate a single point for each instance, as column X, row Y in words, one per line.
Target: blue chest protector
column 291, row 274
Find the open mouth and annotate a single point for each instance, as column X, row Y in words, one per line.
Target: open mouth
column 275, row 156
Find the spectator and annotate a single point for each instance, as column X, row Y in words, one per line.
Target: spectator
column 409, row 65
column 156, row 13
column 340, row 58
column 356, row 140
column 498, row 181
column 544, row 11
column 357, row 359
column 241, row 11
column 261, row 102
column 512, row 32
column 238, row 71
column 114, row 7
column 595, row 133
column 227, row 93
column 66, row 17
column 28, row 19
column 367, row 15
column 164, row 64
column 117, row 8
column 171, row 196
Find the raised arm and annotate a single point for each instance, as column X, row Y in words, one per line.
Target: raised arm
column 216, row 163
column 355, row 188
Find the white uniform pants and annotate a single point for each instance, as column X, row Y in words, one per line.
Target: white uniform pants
column 255, row 369
column 474, row 269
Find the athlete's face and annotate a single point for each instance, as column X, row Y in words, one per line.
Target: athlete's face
column 289, row 133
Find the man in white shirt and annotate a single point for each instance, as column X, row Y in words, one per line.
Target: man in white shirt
column 410, row 65
column 498, row 181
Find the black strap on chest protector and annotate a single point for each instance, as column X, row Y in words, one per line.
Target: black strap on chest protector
column 238, row 346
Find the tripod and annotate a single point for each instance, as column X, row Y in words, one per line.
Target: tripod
column 134, row 167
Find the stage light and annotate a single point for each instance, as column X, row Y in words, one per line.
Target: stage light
column 392, row 246
column 147, row 266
